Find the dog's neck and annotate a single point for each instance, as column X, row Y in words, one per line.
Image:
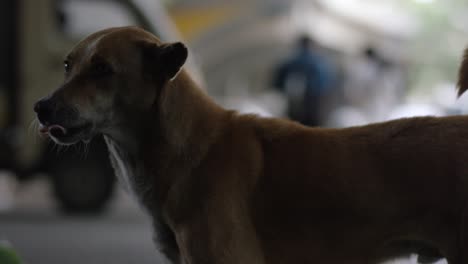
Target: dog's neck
column 188, row 117
column 176, row 132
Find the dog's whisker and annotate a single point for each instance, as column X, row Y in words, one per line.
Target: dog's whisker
column 86, row 149
column 32, row 124
column 75, row 147
column 67, row 148
column 54, row 146
column 79, row 149
column 83, row 150
column 61, row 149
column 32, row 129
column 57, row 149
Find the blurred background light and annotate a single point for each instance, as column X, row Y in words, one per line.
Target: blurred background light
column 425, row 1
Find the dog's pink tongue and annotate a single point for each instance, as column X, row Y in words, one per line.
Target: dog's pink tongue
column 44, row 129
column 57, row 130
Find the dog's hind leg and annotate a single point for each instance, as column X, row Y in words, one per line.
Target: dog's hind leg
column 428, row 255
column 462, row 248
column 452, row 250
column 455, row 249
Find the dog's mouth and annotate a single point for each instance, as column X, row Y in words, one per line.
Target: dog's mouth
column 66, row 135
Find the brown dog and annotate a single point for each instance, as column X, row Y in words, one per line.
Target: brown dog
column 228, row 188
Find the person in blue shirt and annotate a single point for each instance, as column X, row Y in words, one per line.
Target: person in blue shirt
column 305, row 78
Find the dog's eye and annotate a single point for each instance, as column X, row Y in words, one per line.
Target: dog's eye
column 102, row 69
column 66, row 66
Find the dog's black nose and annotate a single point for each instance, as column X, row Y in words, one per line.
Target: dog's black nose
column 44, row 110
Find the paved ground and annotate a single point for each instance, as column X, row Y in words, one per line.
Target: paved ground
column 43, row 236
column 50, row 239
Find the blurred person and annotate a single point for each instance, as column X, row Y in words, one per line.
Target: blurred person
column 305, row 78
column 374, row 85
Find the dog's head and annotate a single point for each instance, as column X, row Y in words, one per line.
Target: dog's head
column 109, row 75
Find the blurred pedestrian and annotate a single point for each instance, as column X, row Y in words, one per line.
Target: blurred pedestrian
column 373, row 85
column 305, row 78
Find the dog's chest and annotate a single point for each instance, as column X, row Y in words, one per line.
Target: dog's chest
column 127, row 172
column 131, row 174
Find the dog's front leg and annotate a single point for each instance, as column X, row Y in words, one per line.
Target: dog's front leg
column 219, row 240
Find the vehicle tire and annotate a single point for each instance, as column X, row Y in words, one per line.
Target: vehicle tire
column 83, row 183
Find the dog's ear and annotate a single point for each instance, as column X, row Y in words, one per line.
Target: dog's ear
column 164, row 60
column 173, row 57
column 463, row 74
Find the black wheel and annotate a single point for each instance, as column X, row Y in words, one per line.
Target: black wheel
column 83, row 183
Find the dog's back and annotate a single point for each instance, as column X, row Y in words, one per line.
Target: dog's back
column 359, row 189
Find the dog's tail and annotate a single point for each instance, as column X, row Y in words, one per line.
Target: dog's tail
column 462, row 84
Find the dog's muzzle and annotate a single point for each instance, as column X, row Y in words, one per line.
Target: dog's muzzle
column 44, row 109
column 59, row 122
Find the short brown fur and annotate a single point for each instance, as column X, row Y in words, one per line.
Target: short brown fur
column 228, row 188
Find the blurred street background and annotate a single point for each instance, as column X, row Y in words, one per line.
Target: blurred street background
column 329, row 63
